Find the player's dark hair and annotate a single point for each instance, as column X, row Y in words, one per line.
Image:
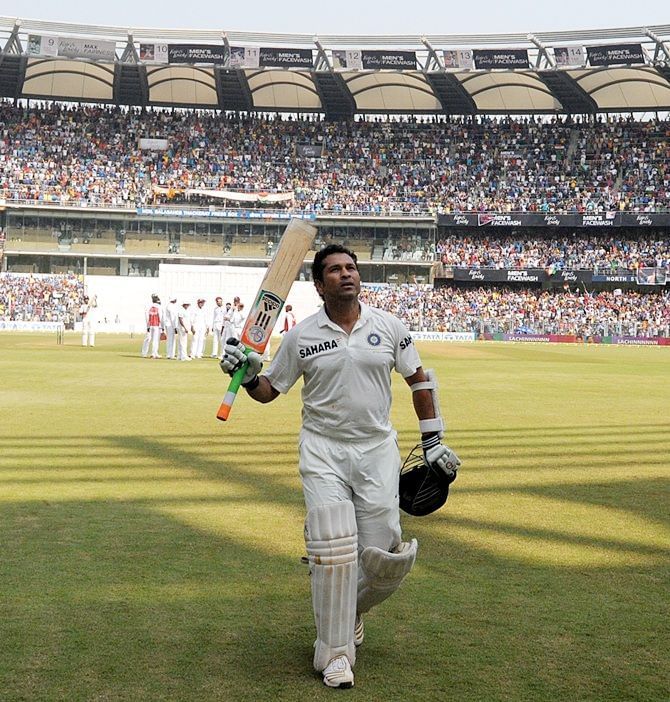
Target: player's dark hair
column 318, row 265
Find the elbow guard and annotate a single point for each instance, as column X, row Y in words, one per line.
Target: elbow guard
column 436, row 424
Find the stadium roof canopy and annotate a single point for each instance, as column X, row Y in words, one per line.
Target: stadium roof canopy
column 578, row 72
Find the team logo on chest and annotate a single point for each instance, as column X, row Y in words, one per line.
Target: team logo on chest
column 374, row 339
column 313, row 349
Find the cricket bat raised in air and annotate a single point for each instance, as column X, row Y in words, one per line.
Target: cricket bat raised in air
column 296, row 241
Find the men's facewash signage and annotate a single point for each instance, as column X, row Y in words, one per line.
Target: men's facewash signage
column 398, row 60
column 196, row 53
column 500, row 275
column 613, row 54
column 286, row 58
column 537, row 219
column 488, row 59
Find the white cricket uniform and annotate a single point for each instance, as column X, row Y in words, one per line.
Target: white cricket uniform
column 348, row 448
column 171, row 324
column 217, row 329
column 183, row 328
column 237, row 322
column 228, row 329
column 199, row 331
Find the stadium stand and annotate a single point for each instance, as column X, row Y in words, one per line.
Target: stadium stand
column 91, row 155
column 40, row 298
column 526, row 189
column 489, row 310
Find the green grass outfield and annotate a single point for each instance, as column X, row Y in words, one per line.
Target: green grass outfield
column 150, row 552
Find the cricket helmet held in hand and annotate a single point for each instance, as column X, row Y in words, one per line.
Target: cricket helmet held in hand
column 423, row 489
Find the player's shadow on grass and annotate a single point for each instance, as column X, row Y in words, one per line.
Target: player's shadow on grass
column 258, row 479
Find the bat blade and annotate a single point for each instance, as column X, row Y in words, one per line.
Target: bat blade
column 295, row 243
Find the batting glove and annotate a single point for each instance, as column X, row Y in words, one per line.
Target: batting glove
column 437, row 455
column 234, row 357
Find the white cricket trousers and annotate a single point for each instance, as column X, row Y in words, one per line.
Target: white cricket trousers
column 152, row 339
column 171, row 343
column 183, row 345
column 88, row 334
column 216, row 342
column 365, row 472
column 198, row 343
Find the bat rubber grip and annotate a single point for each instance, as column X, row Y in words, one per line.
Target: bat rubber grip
column 231, row 393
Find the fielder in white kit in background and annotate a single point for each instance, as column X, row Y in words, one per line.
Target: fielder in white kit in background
column 200, row 329
column 217, row 327
column 171, row 325
column 349, row 459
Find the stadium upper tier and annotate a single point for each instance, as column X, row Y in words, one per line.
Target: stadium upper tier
column 577, row 72
column 109, row 157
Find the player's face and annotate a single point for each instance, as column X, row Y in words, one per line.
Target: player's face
column 341, row 279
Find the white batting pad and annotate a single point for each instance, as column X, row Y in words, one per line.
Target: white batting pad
column 380, row 573
column 332, row 548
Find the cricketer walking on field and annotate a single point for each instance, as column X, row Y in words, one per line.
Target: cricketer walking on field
column 348, row 454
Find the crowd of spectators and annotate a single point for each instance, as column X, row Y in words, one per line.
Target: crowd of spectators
column 40, row 297
column 506, row 310
column 92, row 155
column 597, row 253
column 51, row 298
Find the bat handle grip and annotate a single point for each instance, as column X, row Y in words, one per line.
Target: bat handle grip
column 228, row 399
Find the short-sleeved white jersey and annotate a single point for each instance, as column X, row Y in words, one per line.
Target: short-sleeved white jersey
column 217, row 317
column 347, row 378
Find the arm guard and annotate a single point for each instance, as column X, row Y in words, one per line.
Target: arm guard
column 431, row 425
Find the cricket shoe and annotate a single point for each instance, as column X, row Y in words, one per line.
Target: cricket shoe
column 359, row 630
column 338, row 673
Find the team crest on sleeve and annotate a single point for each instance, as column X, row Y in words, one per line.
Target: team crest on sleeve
column 374, row 339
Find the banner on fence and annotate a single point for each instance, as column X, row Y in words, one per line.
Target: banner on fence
column 15, row 325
